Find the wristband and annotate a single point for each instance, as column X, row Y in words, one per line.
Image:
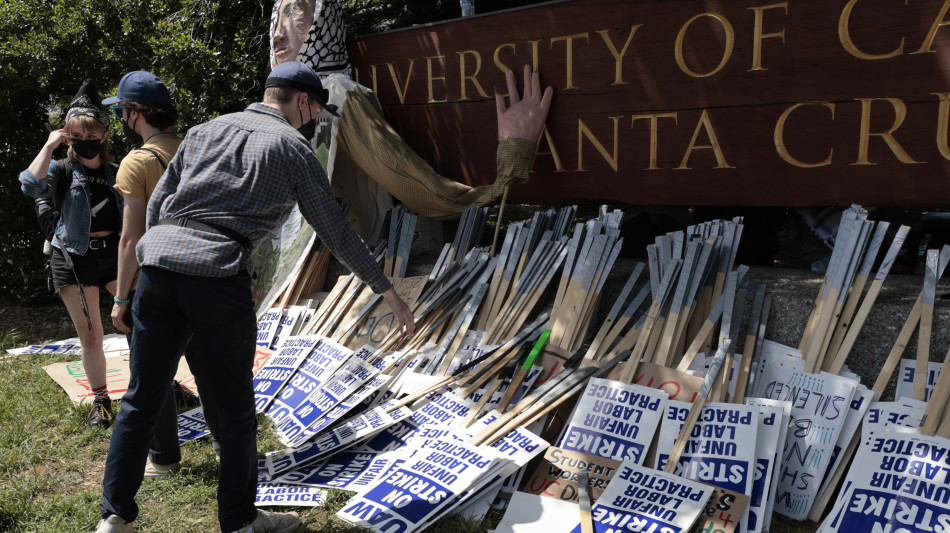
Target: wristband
column 118, row 300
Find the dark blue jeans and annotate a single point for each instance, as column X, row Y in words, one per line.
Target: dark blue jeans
column 218, row 316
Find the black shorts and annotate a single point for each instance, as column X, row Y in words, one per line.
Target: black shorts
column 98, row 267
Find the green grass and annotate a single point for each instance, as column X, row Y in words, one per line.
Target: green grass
column 51, row 467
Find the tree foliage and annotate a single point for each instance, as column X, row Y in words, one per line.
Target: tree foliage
column 211, row 53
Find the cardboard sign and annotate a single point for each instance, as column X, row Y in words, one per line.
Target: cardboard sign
column 857, row 409
column 898, row 483
column 556, row 476
column 641, row 499
column 820, row 405
column 71, row 376
column 380, row 321
column 283, row 494
column 291, row 353
column 773, row 356
column 722, row 512
column 678, row 385
column 721, row 448
column 614, row 420
column 530, row 513
column 905, row 381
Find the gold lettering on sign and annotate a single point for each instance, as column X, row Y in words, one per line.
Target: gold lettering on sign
column 654, row 135
column 372, row 70
column 844, row 35
column 569, row 39
column 478, row 67
column 497, row 56
column 942, row 123
column 546, row 136
column 583, row 131
column 704, row 123
column 727, row 52
column 430, row 78
column 900, row 112
column 779, row 136
column 618, row 56
column 939, row 22
column 401, row 93
column 534, row 55
column 758, row 36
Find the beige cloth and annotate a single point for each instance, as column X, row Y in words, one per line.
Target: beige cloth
column 364, row 137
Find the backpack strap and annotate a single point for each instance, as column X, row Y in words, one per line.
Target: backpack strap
column 65, row 179
column 164, row 166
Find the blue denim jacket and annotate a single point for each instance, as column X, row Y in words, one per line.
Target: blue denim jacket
column 75, row 213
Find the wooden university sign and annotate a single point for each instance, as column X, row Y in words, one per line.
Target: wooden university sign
column 684, row 102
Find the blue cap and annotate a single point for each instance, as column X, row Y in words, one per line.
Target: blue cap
column 300, row 77
column 142, row 87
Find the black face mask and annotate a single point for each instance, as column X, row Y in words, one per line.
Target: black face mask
column 307, row 129
column 130, row 133
column 86, row 149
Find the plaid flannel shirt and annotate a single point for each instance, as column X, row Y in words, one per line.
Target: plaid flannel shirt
column 244, row 171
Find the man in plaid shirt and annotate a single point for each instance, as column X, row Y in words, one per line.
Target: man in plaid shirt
column 229, row 186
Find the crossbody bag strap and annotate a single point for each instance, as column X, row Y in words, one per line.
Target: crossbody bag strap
column 209, row 228
column 160, row 161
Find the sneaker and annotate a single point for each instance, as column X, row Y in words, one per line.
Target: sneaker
column 155, row 471
column 268, row 522
column 184, row 397
column 101, row 414
column 114, row 524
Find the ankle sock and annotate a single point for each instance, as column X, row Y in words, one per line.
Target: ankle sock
column 102, row 393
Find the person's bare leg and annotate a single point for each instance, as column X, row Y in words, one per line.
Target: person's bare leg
column 93, row 358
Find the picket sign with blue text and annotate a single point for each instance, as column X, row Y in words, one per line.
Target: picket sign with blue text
column 446, row 410
column 858, row 408
column 293, row 400
column 820, row 405
column 641, row 499
column 342, row 436
column 883, row 416
column 192, row 425
column 774, row 416
column 342, row 409
column 519, row 447
column 337, row 472
column 342, row 385
column 720, row 449
column 267, row 327
column 614, row 420
column 271, row 493
column 905, row 380
column 406, row 497
column 899, row 482
column 288, row 322
column 269, row 381
column 773, row 423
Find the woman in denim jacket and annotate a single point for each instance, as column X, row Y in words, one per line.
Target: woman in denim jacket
column 85, row 245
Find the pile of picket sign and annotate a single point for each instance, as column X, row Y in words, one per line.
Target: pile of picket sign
column 671, row 410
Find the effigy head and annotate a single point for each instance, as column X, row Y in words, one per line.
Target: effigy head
column 312, row 32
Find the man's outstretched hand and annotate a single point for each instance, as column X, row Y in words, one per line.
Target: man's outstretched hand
column 524, row 117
